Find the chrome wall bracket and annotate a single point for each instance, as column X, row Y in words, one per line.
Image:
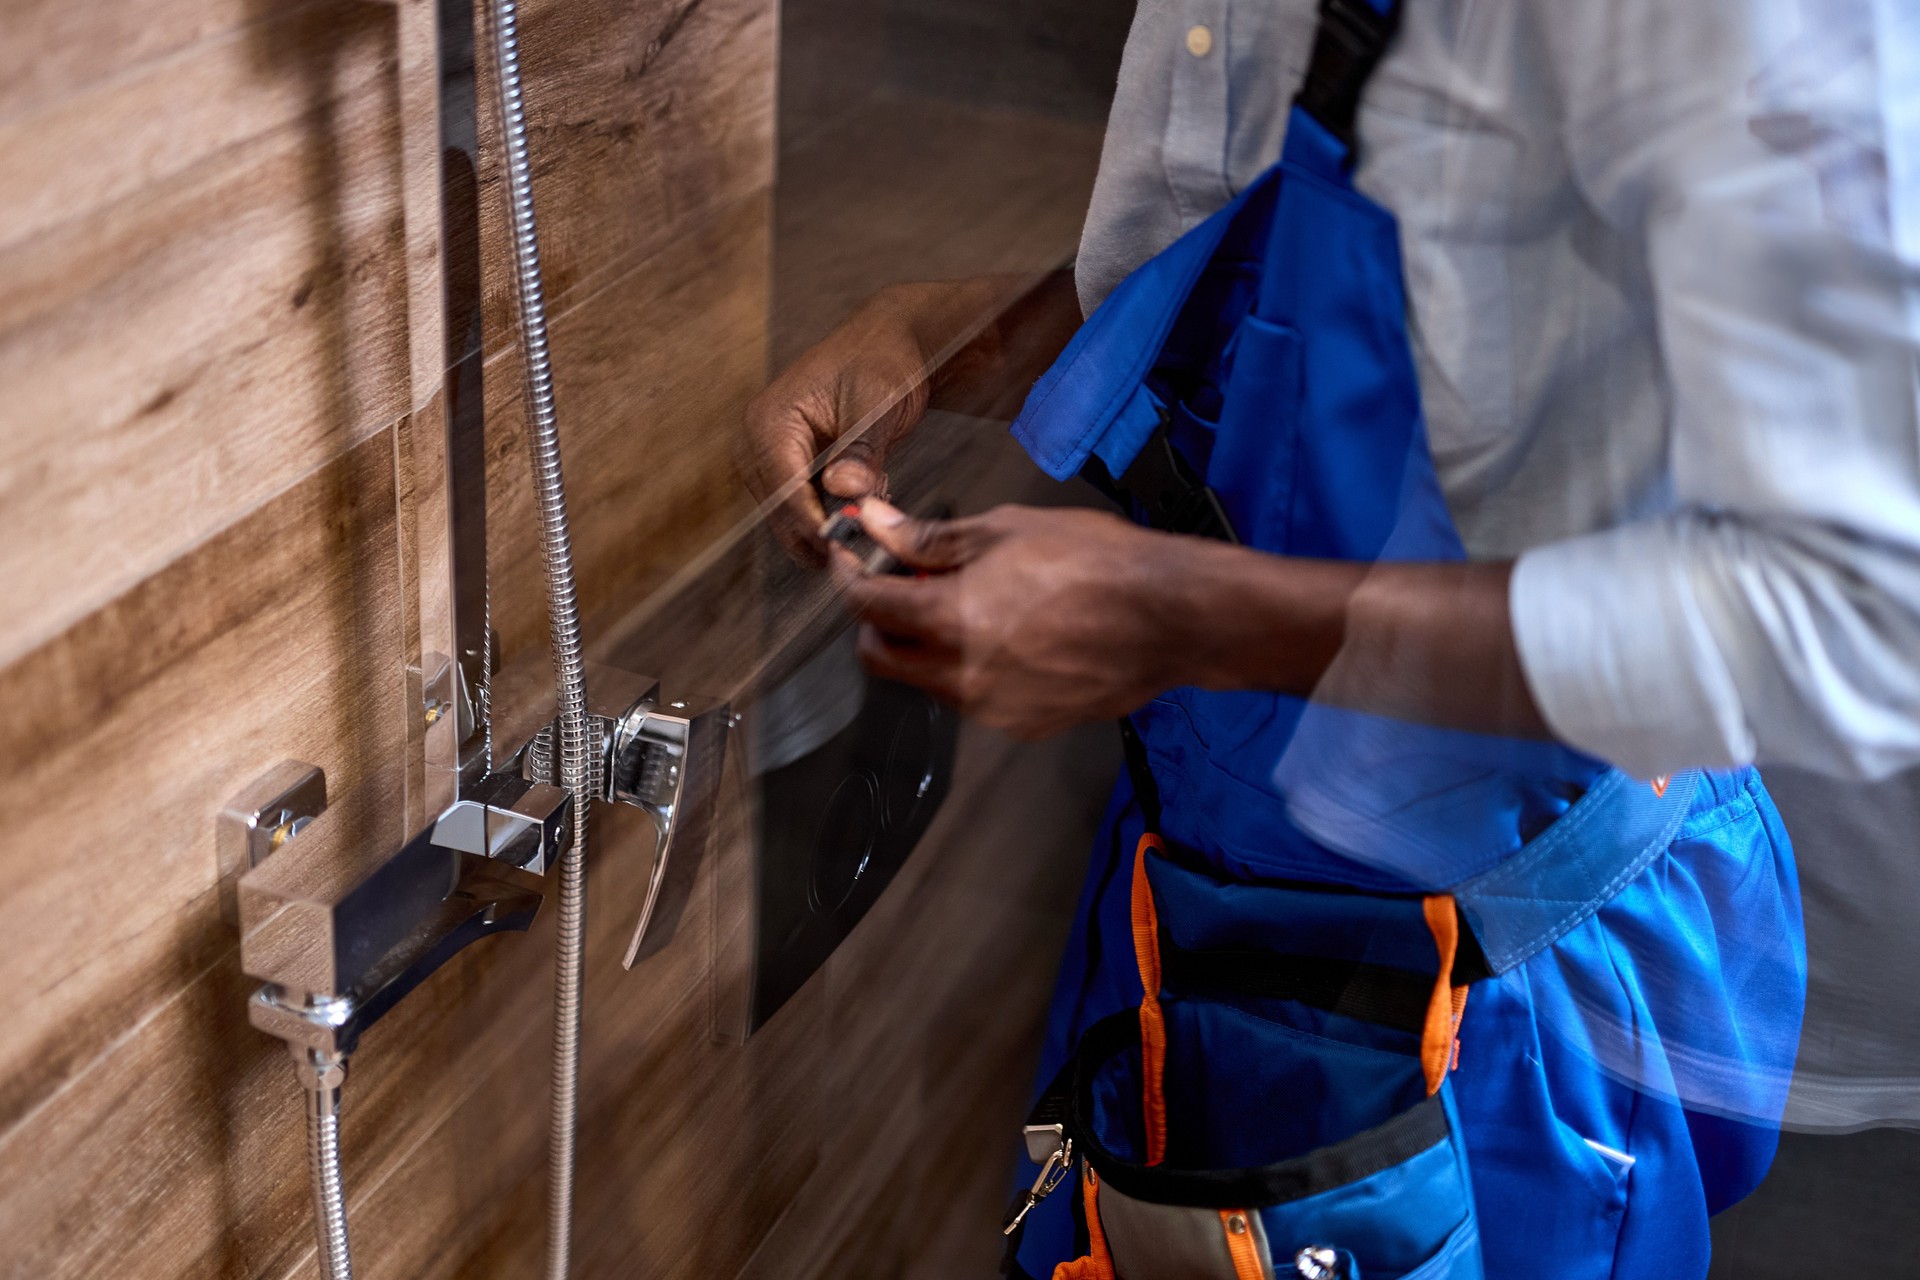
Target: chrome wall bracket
column 270, row 812
column 509, row 819
column 339, row 934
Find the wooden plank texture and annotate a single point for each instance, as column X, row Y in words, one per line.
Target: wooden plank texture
column 278, row 640
column 646, row 426
column 646, row 118
column 55, row 50
column 205, row 311
column 175, row 357
column 90, row 150
column 201, row 258
column 903, row 188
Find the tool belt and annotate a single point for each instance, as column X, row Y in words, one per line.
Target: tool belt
column 1268, row 1113
column 1263, row 1114
column 1245, row 1132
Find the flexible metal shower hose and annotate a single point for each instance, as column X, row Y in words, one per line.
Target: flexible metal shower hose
column 323, row 1164
column 576, row 762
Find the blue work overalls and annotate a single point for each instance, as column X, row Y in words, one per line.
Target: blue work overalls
column 1622, row 1066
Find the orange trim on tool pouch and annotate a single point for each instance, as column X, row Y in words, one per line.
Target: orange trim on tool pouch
column 1098, row 1264
column 1153, row 1025
column 1439, row 1046
column 1240, row 1246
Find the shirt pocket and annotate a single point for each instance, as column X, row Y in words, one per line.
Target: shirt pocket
column 1456, row 190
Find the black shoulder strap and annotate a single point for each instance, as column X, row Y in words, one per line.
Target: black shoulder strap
column 1348, row 44
column 1163, row 489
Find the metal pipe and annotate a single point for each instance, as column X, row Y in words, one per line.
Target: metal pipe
column 577, row 763
column 322, row 1076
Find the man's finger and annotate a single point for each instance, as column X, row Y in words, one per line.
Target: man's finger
column 849, row 478
column 798, row 535
column 858, row 467
column 917, row 608
column 934, row 545
column 796, row 522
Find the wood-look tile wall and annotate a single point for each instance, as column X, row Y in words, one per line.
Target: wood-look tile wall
column 204, row 378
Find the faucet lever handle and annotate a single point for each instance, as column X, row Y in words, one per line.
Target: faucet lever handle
column 662, row 753
column 665, row 757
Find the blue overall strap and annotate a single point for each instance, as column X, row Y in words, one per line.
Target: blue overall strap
column 1094, row 398
column 1558, row 880
column 1093, row 395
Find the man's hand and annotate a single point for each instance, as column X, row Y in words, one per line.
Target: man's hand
column 1030, row 620
column 973, row 346
column 1036, row 620
column 874, row 364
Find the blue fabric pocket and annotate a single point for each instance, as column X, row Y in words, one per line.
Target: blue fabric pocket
column 1330, row 1142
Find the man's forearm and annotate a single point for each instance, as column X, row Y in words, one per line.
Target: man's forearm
column 1424, row 642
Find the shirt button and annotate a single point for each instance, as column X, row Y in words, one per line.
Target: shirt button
column 1199, row 41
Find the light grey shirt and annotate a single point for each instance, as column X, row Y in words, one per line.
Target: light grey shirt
column 1656, row 257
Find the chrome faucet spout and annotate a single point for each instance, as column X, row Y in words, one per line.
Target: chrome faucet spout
column 328, row 917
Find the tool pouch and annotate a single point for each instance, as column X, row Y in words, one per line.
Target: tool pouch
column 1262, row 1115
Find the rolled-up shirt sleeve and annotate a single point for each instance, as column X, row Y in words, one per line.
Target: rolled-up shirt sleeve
column 1770, row 609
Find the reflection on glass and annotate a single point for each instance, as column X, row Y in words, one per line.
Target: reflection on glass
column 939, row 150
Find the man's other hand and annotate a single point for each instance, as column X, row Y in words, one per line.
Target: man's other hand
column 1030, row 620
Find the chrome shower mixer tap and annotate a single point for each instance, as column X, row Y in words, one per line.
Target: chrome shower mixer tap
column 338, row 933
column 338, row 927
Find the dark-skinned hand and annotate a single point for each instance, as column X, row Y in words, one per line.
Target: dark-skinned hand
column 1035, row 620
column 874, row 366
column 1030, row 620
